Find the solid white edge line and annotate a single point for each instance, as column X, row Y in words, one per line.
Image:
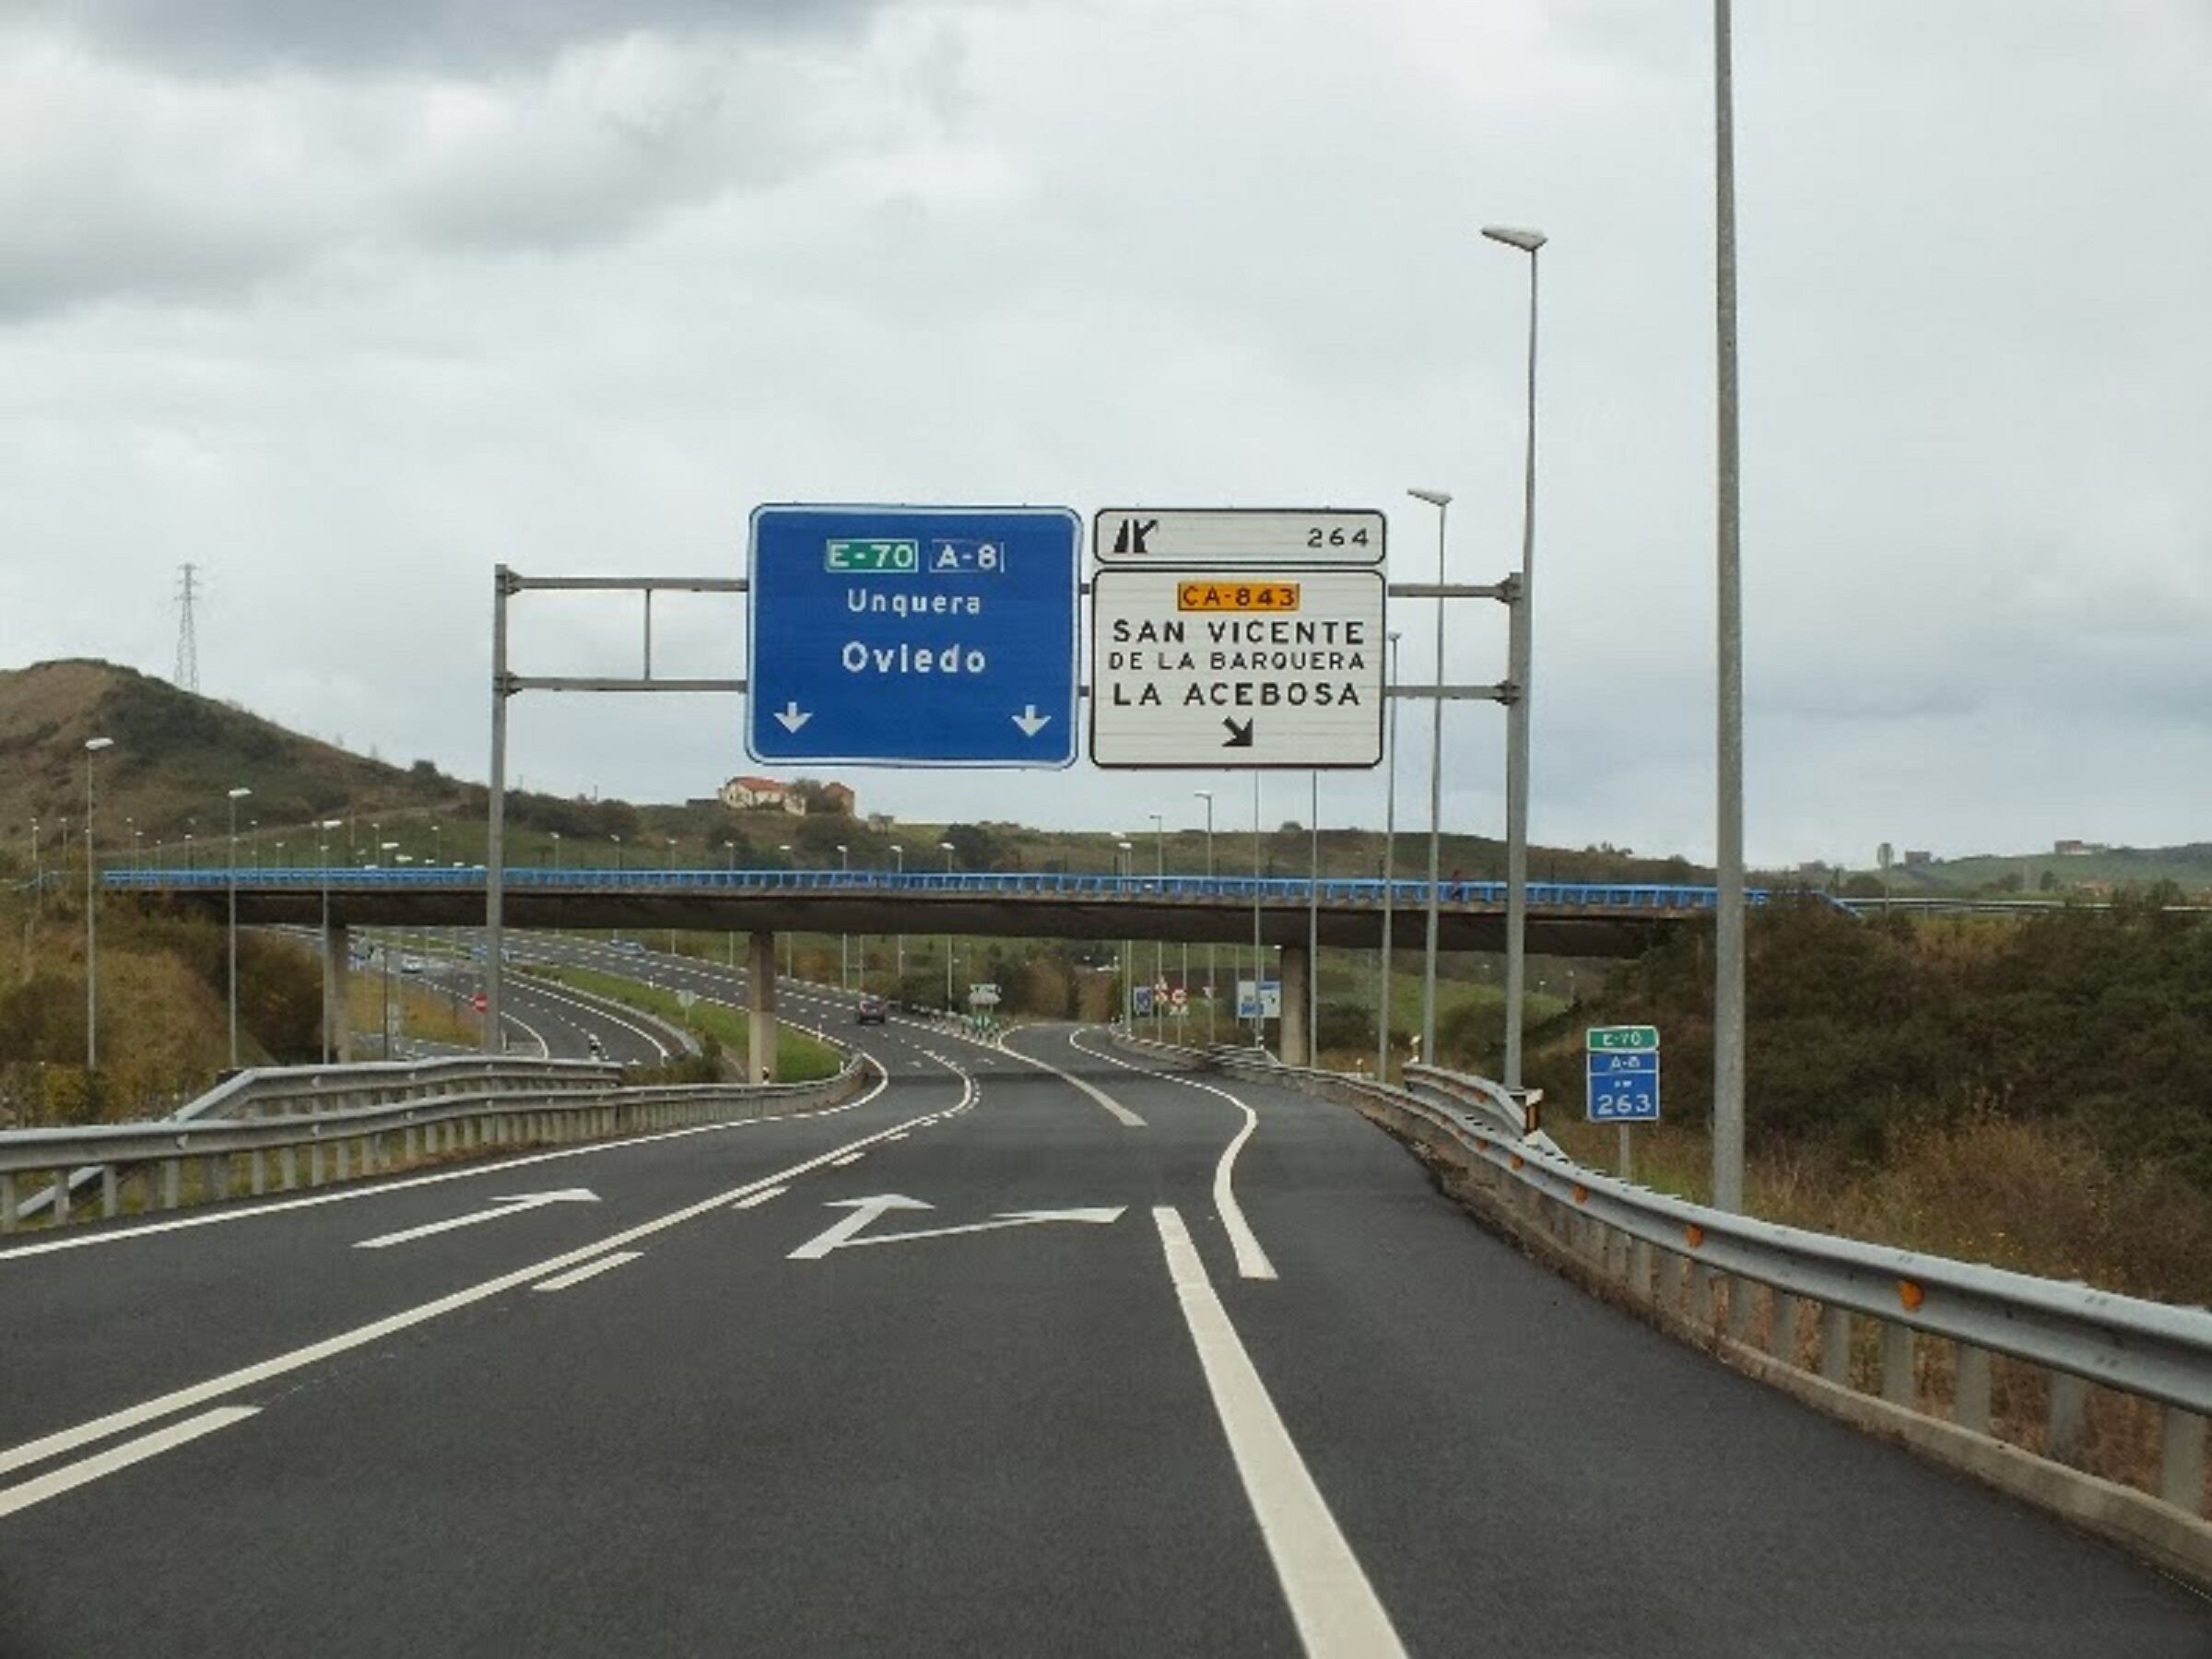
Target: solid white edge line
column 130, row 1417
column 1252, row 1260
column 54, row 1482
column 1128, row 1119
column 347, row 1194
column 576, row 1276
column 1332, row 1603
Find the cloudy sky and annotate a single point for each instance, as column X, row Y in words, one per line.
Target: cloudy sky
column 346, row 302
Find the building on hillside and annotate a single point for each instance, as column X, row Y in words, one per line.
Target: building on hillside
column 752, row 794
column 838, row 798
column 2077, row 849
column 1917, row 857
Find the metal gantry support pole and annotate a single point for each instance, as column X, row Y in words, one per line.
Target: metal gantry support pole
column 92, row 747
column 495, row 832
column 1213, row 987
column 1312, row 917
column 1520, row 654
column 1259, row 948
column 1436, row 802
column 1728, row 950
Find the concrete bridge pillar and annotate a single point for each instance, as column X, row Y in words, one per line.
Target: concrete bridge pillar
column 1298, row 1047
column 337, row 966
column 760, row 993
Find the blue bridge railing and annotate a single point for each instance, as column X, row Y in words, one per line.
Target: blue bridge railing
column 1359, row 892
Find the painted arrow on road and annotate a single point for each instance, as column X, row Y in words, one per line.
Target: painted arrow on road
column 842, row 1234
column 505, row 1207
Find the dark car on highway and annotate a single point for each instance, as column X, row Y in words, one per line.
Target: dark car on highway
column 868, row 1010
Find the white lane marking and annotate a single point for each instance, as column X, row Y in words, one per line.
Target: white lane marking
column 347, row 1194
column 507, row 1207
column 900, row 1137
column 576, row 1276
column 762, row 1197
column 1332, row 1604
column 861, row 1212
column 1101, row 1217
column 1128, row 1119
column 69, row 1477
column 1252, row 1260
column 598, row 1012
column 851, row 1157
column 544, row 1049
column 196, row 1393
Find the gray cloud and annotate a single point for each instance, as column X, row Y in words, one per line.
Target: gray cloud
column 454, row 37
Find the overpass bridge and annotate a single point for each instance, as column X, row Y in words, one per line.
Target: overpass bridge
column 1578, row 918
column 1584, row 919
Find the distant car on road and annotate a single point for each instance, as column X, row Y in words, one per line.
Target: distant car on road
column 410, row 964
column 598, row 1048
column 868, row 1010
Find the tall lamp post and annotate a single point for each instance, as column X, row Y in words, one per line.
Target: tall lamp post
column 790, row 937
column 234, row 796
column 671, row 866
column 947, row 848
column 1159, row 948
column 1442, row 500
column 1211, row 990
column 1520, row 652
column 1390, row 872
column 898, row 940
column 845, row 968
column 729, row 847
column 1125, row 861
column 92, row 746
column 1728, row 852
column 324, row 827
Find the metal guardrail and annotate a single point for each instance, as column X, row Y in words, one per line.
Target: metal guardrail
column 343, row 1140
column 1661, row 1249
column 272, row 1090
column 1238, row 889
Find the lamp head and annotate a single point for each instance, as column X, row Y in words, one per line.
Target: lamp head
column 1435, row 497
column 94, row 745
column 1514, row 236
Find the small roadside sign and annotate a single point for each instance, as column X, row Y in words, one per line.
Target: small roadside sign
column 1179, row 998
column 1140, row 999
column 1623, row 1074
column 479, row 1002
column 1266, row 1004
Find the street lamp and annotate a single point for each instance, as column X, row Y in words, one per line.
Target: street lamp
column 1729, row 851
column 1125, row 863
column 844, row 970
column 1519, row 654
column 381, row 848
column 671, row 866
column 1390, row 861
column 254, row 839
column 329, row 967
column 947, row 848
column 898, row 940
column 1212, row 990
column 1159, row 948
column 731, row 848
column 92, row 746
column 1442, row 500
column 234, row 796
column 790, row 936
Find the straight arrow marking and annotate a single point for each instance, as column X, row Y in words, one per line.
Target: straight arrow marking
column 506, row 1206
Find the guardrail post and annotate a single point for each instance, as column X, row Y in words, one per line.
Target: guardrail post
column 1739, row 1308
column 110, row 1195
column 1835, row 1344
column 8, row 1211
column 408, row 1143
column 1970, row 1389
column 1640, row 1268
column 173, row 1182
column 1781, row 1326
column 340, row 1160
column 2069, row 1403
column 1897, row 1362
column 314, row 1163
column 2182, row 1460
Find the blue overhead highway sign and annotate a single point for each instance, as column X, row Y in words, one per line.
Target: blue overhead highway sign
column 913, row 636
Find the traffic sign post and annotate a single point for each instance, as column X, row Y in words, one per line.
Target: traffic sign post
column 1623, row 1074
column 1266, row 1005
column 1237, row 536
column 913, row 636
column 1239, row 669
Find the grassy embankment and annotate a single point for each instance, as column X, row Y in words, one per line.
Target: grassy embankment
column 799, row 1057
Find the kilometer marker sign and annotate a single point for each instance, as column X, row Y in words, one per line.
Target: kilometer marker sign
column 1237, row 669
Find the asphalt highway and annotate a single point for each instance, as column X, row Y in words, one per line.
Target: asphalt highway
column 1031, row 1351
